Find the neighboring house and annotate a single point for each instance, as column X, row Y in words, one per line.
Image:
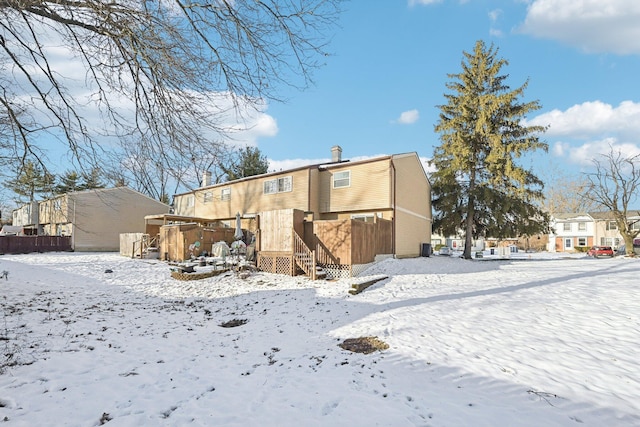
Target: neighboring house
column 95, row 218
column 573, row 230
column 391, row 188
column 570, row 231
column 26, row 216
column 606, row 230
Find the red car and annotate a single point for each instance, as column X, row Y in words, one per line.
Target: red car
column 598, row 251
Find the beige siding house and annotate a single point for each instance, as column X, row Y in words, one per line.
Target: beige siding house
column 95, row 218
column 394, row 188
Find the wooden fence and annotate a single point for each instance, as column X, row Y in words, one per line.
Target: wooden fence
column 349, row 242
column 28, row 244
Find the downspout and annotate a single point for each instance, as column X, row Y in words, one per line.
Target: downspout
column 393, row 225
column 308, row 190
column 73, row 227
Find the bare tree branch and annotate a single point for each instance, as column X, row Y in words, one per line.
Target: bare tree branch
column 153, row 70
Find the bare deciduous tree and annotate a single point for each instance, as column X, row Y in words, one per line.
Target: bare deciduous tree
column 614, row 184
column 564, row 193
column 162, row 73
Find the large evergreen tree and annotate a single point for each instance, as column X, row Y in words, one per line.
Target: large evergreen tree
column 68, row 183
column 30, row 181
column 92, row 179
column 478, row 187
column 249, row 162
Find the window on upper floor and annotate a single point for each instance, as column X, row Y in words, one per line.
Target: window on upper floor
column 582, row 226
column 342, row 179
column 57, row 204
column 225, row 194
column 566, row 226
column 635, row 225
column 207, row 197
column 189, row 201
column 612, row 225
column 278, row 185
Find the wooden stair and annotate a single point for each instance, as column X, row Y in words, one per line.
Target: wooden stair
column 305, row 259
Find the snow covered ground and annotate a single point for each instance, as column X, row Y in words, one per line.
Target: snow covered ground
column 537, row 341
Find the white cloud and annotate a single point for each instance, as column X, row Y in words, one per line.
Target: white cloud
column 278, row 165
column 592, row 119
column 591, row 129
column 560, row 148
column 281, row 165
column 586, row 153
column 408, row 117
column 248, row 125
column 425, row 165
column 494, row 16
column 422, row 2
column 592, row 25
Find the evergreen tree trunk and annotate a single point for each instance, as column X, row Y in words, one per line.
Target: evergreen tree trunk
column 468, row 237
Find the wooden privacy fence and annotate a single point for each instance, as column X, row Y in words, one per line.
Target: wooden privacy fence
column 349, row 241
column 27, row 244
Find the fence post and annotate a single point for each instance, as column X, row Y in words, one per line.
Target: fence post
column 313, row 265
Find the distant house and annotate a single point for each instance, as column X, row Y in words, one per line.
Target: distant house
column 392, row 192
column 606, row 230
column 26, row 216
column 571, row 231
column 93, row 219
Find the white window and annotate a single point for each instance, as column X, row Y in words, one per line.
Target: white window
column 271, row 187
column 566, row 226
column 225, row 194
column 568, row 243
column 635, row 225
column 284, row 184
column 342, row 179
column 612, row 225
column 57, row 204
column 207, row 197
column 279, row 185
column 582, row 226
column 189, row 202
column 582, row 241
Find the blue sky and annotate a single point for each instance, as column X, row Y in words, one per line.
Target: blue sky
column 379, row 91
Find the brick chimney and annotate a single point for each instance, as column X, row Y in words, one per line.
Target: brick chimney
column 336, row 154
